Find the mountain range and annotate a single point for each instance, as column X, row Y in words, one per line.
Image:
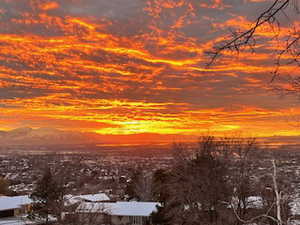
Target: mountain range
column 44, row 136
column 27, row 136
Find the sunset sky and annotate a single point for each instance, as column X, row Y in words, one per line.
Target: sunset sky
column 119, row 67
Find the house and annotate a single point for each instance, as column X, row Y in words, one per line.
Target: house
column 71, row 202
column 116, row 213
column 14, row 206
column 13, row 210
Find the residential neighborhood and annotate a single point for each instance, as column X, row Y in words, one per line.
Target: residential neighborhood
column 86, row 209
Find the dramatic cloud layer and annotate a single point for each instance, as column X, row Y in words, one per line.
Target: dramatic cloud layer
column 135, row 66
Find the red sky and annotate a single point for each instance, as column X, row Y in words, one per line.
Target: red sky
column 124, row 67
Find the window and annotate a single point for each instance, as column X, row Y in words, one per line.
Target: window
column 136, row 220
column 7, row 213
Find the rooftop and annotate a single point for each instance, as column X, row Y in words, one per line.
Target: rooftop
column 8, row 202
column 120, row 208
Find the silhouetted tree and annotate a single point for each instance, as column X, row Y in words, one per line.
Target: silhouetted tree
column 140, row 186
column 243, row 153
column 216, row 183
column 198, row 185
column 159, row 217
column 47, row 197
column 160, row 181
column 280, row 17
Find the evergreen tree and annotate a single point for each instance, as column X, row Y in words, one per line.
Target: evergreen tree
column 160, row 182
column 47, row 197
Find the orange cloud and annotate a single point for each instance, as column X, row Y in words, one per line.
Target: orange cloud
column 69, row 70
column 49, row 6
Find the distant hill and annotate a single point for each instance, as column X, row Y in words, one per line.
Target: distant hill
column 43, row 136
column 26, row 136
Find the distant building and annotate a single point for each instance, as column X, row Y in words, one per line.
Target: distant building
column 100, row 197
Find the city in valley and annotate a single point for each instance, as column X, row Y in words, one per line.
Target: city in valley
column 83, row 172
column 100, row 184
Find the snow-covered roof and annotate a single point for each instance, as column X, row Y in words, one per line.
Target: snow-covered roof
column 70, row 199
column 119, row 208
column 7, row 202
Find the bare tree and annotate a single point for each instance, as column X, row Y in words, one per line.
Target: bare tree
column 197, row 185
column 243, row 153
column 271, row 17
column 278, row 194
column 140, row 186
column 218, row 183
column 271, row 205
